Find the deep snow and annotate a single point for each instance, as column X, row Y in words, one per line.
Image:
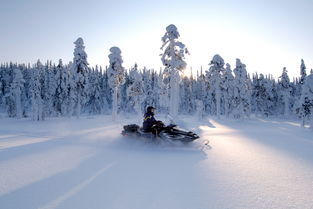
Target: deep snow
column 85, row 163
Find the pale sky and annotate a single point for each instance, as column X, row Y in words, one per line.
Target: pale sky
column 265, row 34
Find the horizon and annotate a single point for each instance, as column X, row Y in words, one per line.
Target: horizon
column 265, row 35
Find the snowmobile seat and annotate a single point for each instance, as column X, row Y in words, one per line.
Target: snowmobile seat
column 131, row 128
column 145, row 133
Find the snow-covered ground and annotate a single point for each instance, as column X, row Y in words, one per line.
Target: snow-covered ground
column 84, row 163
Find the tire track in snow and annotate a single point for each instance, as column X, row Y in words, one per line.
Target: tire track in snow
column 55, row 203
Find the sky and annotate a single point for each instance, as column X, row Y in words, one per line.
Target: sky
column 266, row 35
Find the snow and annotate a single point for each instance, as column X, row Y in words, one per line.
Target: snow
column 85, row 163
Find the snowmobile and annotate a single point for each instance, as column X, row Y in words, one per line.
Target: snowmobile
column 167, row 133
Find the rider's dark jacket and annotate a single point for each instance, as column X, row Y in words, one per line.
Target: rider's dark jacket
column 148, row 121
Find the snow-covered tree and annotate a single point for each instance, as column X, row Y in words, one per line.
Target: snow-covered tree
column 7, row 76
column 263, row 97
column 105, row 92
column 187, row 103
column 116, row 76
column 163, row 84
column 48, row 90
column 200, row 89
column 61, row 93
column 79, row 71
column 135, row 91
column 71, row 93
column 17, row 87
column 35, row 89
column 1, row 85
column 213, row 78
column 94, row 100
column 284, row 90
column 242, row 91
column 228, row 90
column 1, row 94
column 147, row 87
column 26, row 94
column 302, row 71
column 298, row 89
column 173, row 58
column 156, row 89
column 306, row 100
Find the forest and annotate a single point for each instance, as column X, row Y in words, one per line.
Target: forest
column 46, row 90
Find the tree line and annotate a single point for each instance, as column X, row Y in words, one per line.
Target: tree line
column 46, row 90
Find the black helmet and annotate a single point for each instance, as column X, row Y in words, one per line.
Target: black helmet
column 150, row 108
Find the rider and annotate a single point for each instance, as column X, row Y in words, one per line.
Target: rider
column 149, row 121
